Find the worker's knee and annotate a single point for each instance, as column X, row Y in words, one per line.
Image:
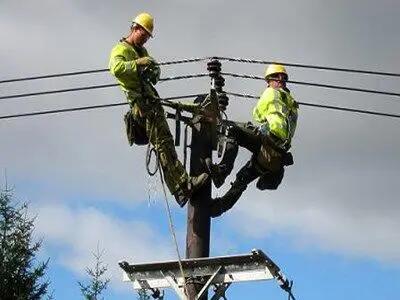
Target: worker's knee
column 167, row 154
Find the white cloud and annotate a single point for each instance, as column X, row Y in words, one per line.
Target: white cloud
column 343, row 222
column 76, row 233
column 87, row 152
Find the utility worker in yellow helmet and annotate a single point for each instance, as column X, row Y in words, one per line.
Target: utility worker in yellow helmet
column 136, row 72
column 276, row 113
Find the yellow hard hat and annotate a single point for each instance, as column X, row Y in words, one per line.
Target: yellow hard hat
column 275, row 69
column 146, row 21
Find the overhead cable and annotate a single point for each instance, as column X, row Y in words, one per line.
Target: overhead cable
column 194, row 96
column 53, row 75
column 56, row 111
column 307, row 66
column 203, row 75
column 241, row 60
column 369, row 112
column 184, row 77
column 329, row 86
column 92, row 87
column 92, row 71
column 183, row 61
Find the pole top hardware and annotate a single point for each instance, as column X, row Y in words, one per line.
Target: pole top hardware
column 219, row 272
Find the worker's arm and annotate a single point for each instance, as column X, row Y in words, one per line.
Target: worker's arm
column 119, row 65
column 185, row 106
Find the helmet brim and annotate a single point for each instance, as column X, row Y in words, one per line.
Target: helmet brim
column 150, row 33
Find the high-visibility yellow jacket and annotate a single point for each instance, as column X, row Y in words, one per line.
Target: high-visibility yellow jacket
column 123, row 66
column 277, row 110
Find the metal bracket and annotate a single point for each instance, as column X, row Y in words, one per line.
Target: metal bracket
column 220, row 290
column 219, row 271
column 208, row 283
column 180, row 291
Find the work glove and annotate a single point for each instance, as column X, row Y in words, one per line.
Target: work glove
column 154, row 74
column 145, row 61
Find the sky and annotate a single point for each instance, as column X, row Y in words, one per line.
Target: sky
column 331, row 225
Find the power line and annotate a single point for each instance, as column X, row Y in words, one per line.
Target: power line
column 307, row 66
column 369, row 112
column 203, row 75
column 183, row 61
column 53, row 75
column 56, row 111
column 241, row 60
column 184, row 77
column 74, row 73
column 93, row 87
column 329, row 86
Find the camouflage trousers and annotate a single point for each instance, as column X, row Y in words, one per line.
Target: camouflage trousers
column 265, row 163
column 152, row 117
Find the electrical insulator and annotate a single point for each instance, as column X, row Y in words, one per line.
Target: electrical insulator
column 214, row 68
column 219, row 82
column 223, row 101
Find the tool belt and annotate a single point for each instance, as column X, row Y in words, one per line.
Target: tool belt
column 135, row 130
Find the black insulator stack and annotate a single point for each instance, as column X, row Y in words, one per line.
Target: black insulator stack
column 218, row 82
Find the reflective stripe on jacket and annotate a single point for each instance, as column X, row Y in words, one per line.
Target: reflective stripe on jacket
column 277, row 109
column 123, row 66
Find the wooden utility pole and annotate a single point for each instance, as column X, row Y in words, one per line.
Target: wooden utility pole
column 203, row 142
column 198, row 218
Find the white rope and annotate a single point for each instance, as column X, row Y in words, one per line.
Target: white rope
column 172, row 229
column 170, row 220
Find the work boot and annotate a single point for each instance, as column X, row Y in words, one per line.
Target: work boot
column 181, row 197
column 217, row 173
column 243, row 178
column 195, row 182
column 226, row 202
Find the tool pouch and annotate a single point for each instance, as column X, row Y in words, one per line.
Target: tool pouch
column 135, row 132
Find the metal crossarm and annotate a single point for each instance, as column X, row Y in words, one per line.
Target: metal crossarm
column 218, row 271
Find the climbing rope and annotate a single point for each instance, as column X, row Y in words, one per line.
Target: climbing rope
column 172, row 229
column 168, row 210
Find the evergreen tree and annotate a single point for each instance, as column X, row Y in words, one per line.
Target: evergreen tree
column 21, row 277
column 97, row 283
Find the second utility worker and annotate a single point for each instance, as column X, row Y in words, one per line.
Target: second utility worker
column 136, row 73
column 276, row 113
